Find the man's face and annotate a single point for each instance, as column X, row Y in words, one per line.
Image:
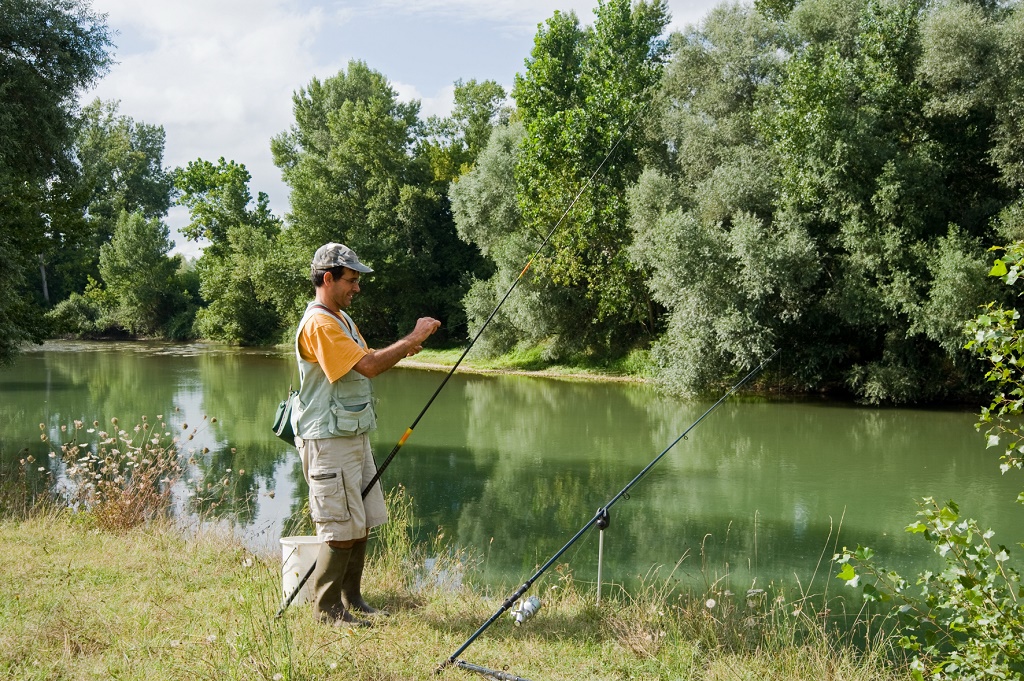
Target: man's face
column 344, row 288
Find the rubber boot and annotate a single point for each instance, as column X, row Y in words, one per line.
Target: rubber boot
column 351, row 586
column 328, row 577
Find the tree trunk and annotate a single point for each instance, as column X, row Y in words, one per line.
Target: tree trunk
column 42, row 273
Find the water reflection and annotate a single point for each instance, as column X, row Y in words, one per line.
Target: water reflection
column 511, row 467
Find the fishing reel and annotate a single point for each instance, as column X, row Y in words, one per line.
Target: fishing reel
column 525, row 610
column 603, row 518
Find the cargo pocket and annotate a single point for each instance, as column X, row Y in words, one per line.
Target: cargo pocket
column 346, row 423
column 328, row 501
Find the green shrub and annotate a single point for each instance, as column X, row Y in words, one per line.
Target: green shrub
column 967, row 621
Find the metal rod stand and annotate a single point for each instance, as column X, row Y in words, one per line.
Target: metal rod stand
column 493, row 673
column 603, row 520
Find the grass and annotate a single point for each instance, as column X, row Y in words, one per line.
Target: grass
column 158, row 601
column 634, row 366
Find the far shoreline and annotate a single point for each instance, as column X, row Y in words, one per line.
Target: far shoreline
column 537, row 373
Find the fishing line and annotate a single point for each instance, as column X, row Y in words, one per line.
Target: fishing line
column 623, row 493
column 451, row 372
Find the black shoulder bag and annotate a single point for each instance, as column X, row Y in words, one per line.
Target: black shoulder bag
column 283, row 418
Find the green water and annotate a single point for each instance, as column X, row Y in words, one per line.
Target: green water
column 510, row 468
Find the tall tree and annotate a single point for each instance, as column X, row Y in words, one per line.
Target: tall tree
column 235, row 269
column 355, row 177
column 829, row 190
column 580, row 100
column 120, row 167
column 138, row 274
column 49, row 51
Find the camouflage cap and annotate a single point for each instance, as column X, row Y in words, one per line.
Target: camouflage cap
column 332, row 255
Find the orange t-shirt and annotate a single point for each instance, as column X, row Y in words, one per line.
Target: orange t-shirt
column 322, row 341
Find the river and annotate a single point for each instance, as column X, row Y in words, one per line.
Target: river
column 509, row 468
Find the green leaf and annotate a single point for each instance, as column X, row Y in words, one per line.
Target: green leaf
column 847, row 573
column 998, row 269
column 871, row 594
column 864, row 553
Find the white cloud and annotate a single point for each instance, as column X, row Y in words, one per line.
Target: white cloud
column 217, row 75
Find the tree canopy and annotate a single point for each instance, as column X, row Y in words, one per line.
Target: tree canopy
column 357, row 177
column 579, row 103
column 814, row 175
column 50, row 50
column 825, row 197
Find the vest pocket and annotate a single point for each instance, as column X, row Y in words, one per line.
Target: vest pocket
column 328, row 500
column 345, row 423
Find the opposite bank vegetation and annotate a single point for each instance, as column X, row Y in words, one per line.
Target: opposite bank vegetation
column 822, row 176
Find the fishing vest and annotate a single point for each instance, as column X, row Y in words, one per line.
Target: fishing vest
column 324, row 409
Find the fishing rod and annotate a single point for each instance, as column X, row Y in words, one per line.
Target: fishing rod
column 458, row 362
column 601, row 514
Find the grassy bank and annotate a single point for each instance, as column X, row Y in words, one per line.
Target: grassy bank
column 634, row 367
column 159, row 602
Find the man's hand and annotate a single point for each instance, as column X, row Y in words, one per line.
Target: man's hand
column 425, row 327
column 380, row 361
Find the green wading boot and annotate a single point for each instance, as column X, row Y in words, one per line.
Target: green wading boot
column 351, row 585
column 328, row 578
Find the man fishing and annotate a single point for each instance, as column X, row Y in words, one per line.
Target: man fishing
column 334, row 413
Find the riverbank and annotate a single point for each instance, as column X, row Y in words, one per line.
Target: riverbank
column 162, row 602
column 635, row 368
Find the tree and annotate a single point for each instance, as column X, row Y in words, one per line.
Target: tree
column 49, row 51
column 824, row 193
column 236, row 269
column 888, row 191
column 579, row 101
column 120, row 169
column 351, row 162
column 138, row 274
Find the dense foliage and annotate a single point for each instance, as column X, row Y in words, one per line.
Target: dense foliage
column 825, row 194
column 584, row 92
column 357, row 177
column 817, row 176
column 240, row 304
column 49, row 51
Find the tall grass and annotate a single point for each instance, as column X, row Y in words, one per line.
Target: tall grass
column 123, row 477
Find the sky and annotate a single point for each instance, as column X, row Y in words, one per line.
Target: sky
column 219, row 75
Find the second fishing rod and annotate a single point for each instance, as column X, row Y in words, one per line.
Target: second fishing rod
column 600, row 517
column 408, row 431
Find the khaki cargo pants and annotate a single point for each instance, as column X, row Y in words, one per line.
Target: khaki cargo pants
column 337, row 469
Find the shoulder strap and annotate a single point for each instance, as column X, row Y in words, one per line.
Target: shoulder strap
column 333, row 313
column 349, row 325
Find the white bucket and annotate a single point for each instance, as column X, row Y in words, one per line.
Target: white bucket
column 297, row 555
